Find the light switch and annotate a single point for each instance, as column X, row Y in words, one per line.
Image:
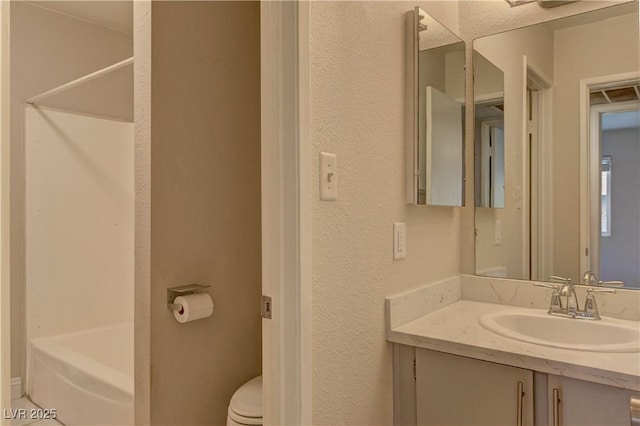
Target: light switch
column 399, row 240
column 498, row 232
column 328, row 176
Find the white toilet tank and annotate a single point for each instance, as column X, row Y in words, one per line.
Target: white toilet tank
column 245, row 407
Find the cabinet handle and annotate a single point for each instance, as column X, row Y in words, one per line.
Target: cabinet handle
column 635, row 411
column 556, row 407
column 520, row 395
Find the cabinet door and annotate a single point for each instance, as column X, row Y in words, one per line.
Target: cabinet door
column 454, row 390
column 588, row 404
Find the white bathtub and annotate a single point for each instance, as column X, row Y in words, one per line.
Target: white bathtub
column 86, row 376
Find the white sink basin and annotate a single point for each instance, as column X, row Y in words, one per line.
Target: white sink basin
column 605, row 335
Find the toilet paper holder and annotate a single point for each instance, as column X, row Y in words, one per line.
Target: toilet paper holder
column 183, row 290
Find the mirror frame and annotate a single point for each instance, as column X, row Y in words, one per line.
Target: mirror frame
column 411, row 130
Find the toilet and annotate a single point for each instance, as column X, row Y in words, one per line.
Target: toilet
column 245, row 407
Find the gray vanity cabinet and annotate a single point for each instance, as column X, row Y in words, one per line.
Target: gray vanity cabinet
column 435, row 388
column 580, row 403
column 454, row 390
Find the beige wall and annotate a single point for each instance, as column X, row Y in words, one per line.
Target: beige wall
column 594, row 50
column 357, row 93
column 47, row 49
column 205, row 205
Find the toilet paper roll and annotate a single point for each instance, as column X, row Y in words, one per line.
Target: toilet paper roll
column 194, row 307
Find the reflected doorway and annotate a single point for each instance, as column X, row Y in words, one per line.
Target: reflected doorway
column 615, row 178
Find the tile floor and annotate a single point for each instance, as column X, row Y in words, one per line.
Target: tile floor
column 26, row 404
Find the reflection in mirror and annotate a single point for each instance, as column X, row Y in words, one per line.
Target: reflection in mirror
column 616, row 194
column 488, row 93
column 435, row 95
column 571, row 200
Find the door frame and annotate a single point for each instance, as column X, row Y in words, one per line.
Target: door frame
column 539, row 200
column 486, row 179
column 5, row 314
column 595, row 155
column 286, row 212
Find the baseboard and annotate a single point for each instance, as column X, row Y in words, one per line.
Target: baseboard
column 16, row 388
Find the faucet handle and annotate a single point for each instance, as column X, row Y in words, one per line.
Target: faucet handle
column 600, row 290
column 555, row 303
column 548, row 285
column 611, row 283
column 589, row 278
column 590, row 305
column 557, row 279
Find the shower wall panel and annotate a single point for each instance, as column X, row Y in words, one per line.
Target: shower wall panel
column 79, row 222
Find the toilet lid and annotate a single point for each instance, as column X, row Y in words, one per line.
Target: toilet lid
column 247, row 401
column 241, row 420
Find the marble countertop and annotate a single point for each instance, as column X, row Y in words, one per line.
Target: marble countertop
column 455, row 329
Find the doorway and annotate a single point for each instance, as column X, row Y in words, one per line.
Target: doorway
column 614, row 178
column 538, row 197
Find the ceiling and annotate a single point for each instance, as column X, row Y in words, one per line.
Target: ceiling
column 116, row 14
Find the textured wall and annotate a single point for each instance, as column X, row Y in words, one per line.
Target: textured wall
column 357, row 92
column 47, row 49
column 205, row 205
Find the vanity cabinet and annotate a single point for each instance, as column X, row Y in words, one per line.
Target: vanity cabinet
column 454, row 390
column 435, row 388
column 581, row 403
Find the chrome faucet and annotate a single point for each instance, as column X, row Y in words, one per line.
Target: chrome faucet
column 590, row 305
column 589, row 278
column 564, row 301
column 568, row 296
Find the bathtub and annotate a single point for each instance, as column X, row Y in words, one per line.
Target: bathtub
column 86, row 376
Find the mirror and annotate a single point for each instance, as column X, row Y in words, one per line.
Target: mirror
column 435, row 118
column 569, row 150
column 488, row 92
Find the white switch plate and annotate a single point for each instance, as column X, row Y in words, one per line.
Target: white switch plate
column 498, row 232
column 399, row 240
column 328, row 176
